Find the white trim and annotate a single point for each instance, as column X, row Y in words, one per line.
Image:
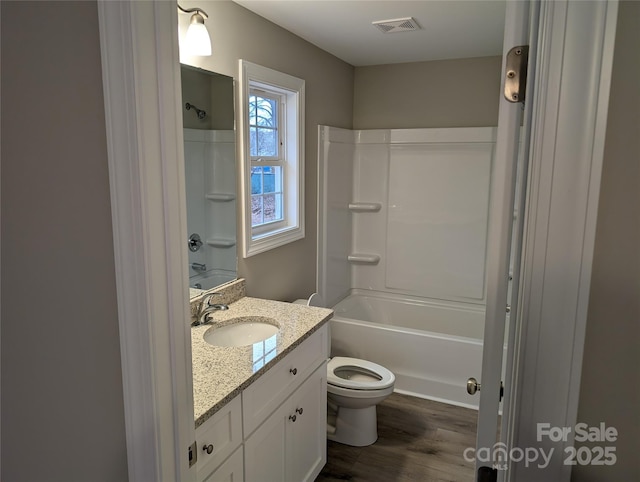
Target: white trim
column 575, row 55
column 503, row 182
column 141, row 75
column 509, row 407
column 293, row 88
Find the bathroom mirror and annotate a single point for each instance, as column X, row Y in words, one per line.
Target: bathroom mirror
column 210, row 177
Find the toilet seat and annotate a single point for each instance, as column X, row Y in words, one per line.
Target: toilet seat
column 378, row 377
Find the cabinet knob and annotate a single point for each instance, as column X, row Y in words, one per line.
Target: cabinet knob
column 299, row 410
column 292, row 418
column 293, row 371
column 208, row 448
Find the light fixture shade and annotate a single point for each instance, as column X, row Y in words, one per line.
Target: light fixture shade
column 197, row 40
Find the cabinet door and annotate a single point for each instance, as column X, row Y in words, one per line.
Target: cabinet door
column 221, row 435
column 230, row 471
column 307, row 436
column 273, row 388
column 265, row 450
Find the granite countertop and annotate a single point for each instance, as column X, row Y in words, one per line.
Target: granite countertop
column 221, row 373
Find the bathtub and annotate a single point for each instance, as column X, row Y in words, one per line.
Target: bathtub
column 431, row 347
column 211, row 279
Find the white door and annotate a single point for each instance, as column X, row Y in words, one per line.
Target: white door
column 499, row 252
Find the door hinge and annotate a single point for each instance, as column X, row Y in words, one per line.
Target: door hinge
column 193, row 454
column 515, row 82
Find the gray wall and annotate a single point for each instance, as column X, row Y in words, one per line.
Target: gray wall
column 287, row 272
column 441, row 93
column 62, row 404
column 610, row 386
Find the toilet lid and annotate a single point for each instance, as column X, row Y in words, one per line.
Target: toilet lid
column 358, row 374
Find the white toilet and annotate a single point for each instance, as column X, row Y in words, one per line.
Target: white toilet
column 354, row 388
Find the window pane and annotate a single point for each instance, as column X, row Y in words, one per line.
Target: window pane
column 266, row 113
column 253, row 141
column 269, row 208
column 267, row 142
column 278, row 211
column 263, row 127
column 256, row 210
column 256, row 180
column 269, row 179
column 272, row 207
column 252, row 110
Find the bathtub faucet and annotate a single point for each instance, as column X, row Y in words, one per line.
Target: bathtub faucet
column 204, row 308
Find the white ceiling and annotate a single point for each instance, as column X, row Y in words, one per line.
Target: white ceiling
column 450, row 28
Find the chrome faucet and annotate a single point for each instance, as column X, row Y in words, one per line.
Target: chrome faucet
column 204, row 308
column 198, row 267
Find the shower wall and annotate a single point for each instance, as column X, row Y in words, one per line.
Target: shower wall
column 404, row 211
column 336, row 150
column 211, row 203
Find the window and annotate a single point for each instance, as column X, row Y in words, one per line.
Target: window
column 267, row 160
column 271, row 134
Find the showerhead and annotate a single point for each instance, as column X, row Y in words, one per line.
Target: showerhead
column 199, row 112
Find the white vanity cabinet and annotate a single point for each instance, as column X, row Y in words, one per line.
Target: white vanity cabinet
column 291, row 444
column 276, row 430
column 284, row 416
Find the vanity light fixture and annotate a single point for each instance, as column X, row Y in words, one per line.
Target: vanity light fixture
column 197, row 40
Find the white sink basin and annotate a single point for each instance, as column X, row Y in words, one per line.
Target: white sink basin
column 241, row 331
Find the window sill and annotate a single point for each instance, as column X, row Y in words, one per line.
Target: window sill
column 273, row 239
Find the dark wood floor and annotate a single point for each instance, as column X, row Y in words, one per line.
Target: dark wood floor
column 418, row 440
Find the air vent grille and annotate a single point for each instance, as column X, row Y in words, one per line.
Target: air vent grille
column 407, row 24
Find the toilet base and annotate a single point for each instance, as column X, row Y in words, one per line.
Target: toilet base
column 357, row 427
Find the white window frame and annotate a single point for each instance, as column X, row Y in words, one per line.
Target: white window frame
column 279, row 160
column 291, row 157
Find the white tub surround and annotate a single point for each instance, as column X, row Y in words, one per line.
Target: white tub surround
column 404, row 211
column 402, row 238
column 210, row 178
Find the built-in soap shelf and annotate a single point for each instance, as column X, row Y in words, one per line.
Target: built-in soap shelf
column 364, row 258
column 221, row 242
column 220, row 197
column 358, row 207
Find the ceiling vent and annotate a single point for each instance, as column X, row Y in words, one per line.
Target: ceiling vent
column 407, row 24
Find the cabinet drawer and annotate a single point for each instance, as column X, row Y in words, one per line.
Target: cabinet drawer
column 271, row 389
column 221, row 434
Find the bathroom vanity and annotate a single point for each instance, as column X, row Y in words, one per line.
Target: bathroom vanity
column 260, row 410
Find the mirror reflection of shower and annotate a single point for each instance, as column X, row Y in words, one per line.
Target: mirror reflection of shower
column 210, row 177
column 199, row 112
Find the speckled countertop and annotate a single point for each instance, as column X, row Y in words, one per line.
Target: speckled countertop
column 221, row 373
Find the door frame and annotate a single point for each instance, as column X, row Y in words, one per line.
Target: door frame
column 571, row 99
column 141, row 82
column 144, row 134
